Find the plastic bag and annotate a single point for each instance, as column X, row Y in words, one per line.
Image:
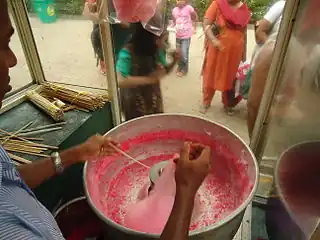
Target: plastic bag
column 243, row 81
column 150, row 13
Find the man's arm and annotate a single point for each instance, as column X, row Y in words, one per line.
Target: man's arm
column 36, row 173
column 266, row 24
column 177, row 227
column 192, row 168
column 259, row 78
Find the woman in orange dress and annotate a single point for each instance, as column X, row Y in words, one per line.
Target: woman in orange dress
column 225, row 25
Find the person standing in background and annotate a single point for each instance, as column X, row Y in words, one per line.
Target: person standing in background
column 140, row 66
column 268, row 26
column 265, row 28
column 183, row 16
column 270, row 23
column 225, row 25
column 120, row 33
column 90, row 11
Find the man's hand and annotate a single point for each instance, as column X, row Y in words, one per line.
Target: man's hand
column 96, row 146
column 192, row 167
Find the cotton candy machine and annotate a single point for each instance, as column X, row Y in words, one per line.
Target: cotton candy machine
column 114, row 183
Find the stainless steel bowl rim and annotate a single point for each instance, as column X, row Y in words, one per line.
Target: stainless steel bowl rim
column 60, row 209
column 225, row 220
column 277, row 176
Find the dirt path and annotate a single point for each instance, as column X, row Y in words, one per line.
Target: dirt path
column 67, row 57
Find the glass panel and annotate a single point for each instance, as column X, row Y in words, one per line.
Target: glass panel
column 20, row 75
column 295, row 119
column 63, row 38
column 182, row 91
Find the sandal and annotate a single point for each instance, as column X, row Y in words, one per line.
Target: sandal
column 204, row 109
column 229, row 111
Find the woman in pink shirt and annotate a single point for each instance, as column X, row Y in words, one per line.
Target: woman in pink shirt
column 183, row 15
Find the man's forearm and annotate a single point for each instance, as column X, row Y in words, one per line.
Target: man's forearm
column 37, row 172
column 177, row 227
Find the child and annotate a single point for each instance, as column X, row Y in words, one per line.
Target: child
column 183, row 15
column 120, row 33
column 141, row 65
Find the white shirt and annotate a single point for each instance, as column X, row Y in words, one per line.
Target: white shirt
column 274, row 15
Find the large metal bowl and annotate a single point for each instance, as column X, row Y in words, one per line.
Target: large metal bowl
column 297, row 181
column 225, row 228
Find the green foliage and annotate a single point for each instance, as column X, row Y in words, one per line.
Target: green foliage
column 259, row 8
column 65, row 7
column 70, row 7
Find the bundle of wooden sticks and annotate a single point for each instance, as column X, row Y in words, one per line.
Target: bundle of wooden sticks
column 45, row 105
column 82, row 99
column 20, row 142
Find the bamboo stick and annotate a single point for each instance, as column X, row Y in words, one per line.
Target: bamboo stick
column 82, row 99
column 25, row 126
column 128, row 156
column 43, row 127
column 19, row 159
column 15, row 145
column 26, row 152
column 20, row 138
column 39, row 131
column 52, row 110
column 32, row 144
column 27, row 138
column 16, row 163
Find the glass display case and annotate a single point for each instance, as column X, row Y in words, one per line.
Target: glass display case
column 286, row 132
column 289, row 113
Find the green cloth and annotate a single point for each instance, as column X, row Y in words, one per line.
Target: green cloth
column 124, row 63
column 244, row 90
column 120, row 36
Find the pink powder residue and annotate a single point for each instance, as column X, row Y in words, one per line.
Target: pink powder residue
column 114, row 183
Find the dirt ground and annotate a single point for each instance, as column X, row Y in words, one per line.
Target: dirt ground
column 67, row 57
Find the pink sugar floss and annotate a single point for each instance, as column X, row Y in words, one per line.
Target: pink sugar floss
column 150, row 214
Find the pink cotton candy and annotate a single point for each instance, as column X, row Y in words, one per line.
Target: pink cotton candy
column 166, row 184
column 151, row 214
column 135, row 10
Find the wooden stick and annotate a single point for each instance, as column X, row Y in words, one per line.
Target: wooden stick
column 128, row 156
column 27, row 125
column 8, row 133
column 26, row 138
column 32, row 144
column 39, row 131
column 43, row 127
column 16, row 163
column 20, row 138
column 25, row 152
column 19, row 159
column 19, row 146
